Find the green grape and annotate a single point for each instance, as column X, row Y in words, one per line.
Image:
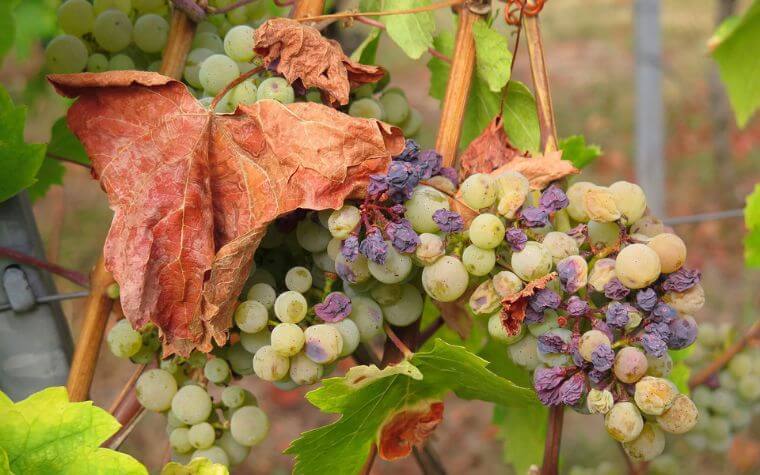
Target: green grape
column 323, row 343
column 424, row 202
column 287, row 339
column 120, row 62
column 324, row 262
column 170, row 365
column 112, row 30
column 386, row 294
column 252, row 342
column 498, row 332
column 76, row 17
column 234, row 396
column 506, row 283
column 144, row 356
column 263, row 293
column 150, row 33
column 244, row 93
column 719, row 429
column 740, row 365
column 206, row 27
column 66, row 54
column 671, row 251
column 749, row 388
column 311, row 236
column 395, row 107
column 197, row 359
column 290, row 307
column 237, row 16
column 314, row 96
column 637, row 266
column 276, row 89
column 97, row 63
column 251, row 316
column 740, row 417
column 238, row 43
column 365, row 90
column 249, row 425
column 630, row 200
column 478, row 191
column 304, row 371
column 123, row 340
column 179, row 440
column 155, row 389
column 366, row 108
column 349, row 332
column 201, row 436
column 407, row 309
column 395, row 269
column 155, row 66
column 603, row 234
column 413, row 123
column 211, row 42
column 298, row 279
column 368, row 317
column 533, row 262
column 560, row 245
column 216, row 72
column 241, row 361
column 191, row 404
column 342, row 221
column 216, row 370
column 524, row 352
column 487, row 231
column 214, row 454
column 649, row 444
column 477, row 261
column 193, row 66
column 237, row 453
column 172, row 422
column 270, row 365
column 446, row 279
column 124, row 6
column 149, row 6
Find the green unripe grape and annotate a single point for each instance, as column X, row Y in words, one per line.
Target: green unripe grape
column 395, row 107
column 216, row 370
column 238, row 43
column 124, row 6
column 533, row 262
column 290, row 307
column 193, row 66
column 249, row 425
column 236, row 452
column 446, row 279
column 368, row 317
column 149, row 6
column 66, row 54
column 312, row 236
column 120, row 62
column 237, row 16
column 97, row 63
column 287, row 339
column 191, row 404
column 155, row 389
column 251, row 316
column 244, row 93
column 123, row 340
column 240, row 360
column 150, row 33
column 603, row 234
column 407, row 309
column 209, row 41
column 740, row 365
column 367, row 108
column 349, row 332
column 477, row 261
column 214, row 454
column 112, row 30
column 234, row 396
column 749, row 388
column 276, row 89
column 478, row 191
column 252, row 342
column 487, row 231
column 155, row 66
column 264, row 293
column 298, row 279
column 178, row 439
column 425, row 201
column 206, row 27
column 270, row 365
column 413, row 123
column 395, row 269
column 550, row 322
column 524, row 352
column 76, row 17
column 201, row 436
column 216, row 72
column 365, row 90
column 387, row 294
column 304, row 371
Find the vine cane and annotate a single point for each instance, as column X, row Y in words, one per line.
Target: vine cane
column 98, row 305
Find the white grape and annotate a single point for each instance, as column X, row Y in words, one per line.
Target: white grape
column 334, row 248
column 560, row 245
column 342, row 221
column 155, row 389
column 506, row 283
column 66, row 54
column 252, row 342
column 216, row 72
column 97, row 63
column 446, row 279
column 323, row 343
column 386, row 294
column 249, row 425
column 123, row 340
column 263, row 293
column 216, row 370
column 290, row 307
column 368, row 317
column 671, row 251
column 287, row 339
column 533, row 262
column 112, row 30
column 76, row 17
column 234, row 396
column 244, row 93
column 304, row 371
column 349, row 332
column 630, row 200
column 124, row 6
column 487, row 231
column 251, row 316
column 637, row 266
column 524, row 352
column 312, row 237
column 603, row 234
column 120, row 62
column 214, row 454
column 655, row 395
column 599, row 204
column 270, row 365
column 407, row 309
column 178, row 439
column 201, row 436
column 649, row 444
column 210, row 41
column 324, row 262
column 355, row 272
column 191, row 404
column 550, row 322
column 395, row 269
column 238, row 43
column 477, row 261
column 241, row 361
column 624, row 422
column 236, row 452
column 478, row 191
column 424, row 202
column 298, row 279
column 602, row 272
column 193, row 65
column 150, row 33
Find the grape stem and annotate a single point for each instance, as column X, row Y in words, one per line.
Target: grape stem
column 397, row 341
column 126, row 409
column 69, row 274
column 234, row 84
column 430, row 330
column 233, row 6
column 67, row 160
column 354, row 14
column 725, row 357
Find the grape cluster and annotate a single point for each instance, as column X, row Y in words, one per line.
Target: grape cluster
column 222, row 431
column 728, row 401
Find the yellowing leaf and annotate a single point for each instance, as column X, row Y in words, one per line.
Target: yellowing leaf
column 45, row 433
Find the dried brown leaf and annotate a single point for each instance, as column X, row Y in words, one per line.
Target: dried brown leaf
column 193, row 192
column 540, row 170
column 301, row 53
column 408, row 428
column 513, row 307
column 490, row 150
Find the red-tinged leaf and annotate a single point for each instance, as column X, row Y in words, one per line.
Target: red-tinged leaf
column 488, row 151
column 192, row 191
column 513, row 307
column 301, row 53
column 541, row 169
column 408, row 428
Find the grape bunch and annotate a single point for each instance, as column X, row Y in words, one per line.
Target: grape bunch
column 729, row 400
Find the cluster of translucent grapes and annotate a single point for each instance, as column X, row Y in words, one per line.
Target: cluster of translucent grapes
column 731, row 398
column 221, row 430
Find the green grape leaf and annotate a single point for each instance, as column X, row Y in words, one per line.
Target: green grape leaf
column 752, row 221
column 520, row 114
column 413, row 33
column 681, row 355
column 7, row 28
column 366, row 403
column 680, row 376
column 575, row 150
column 63, row 143
column 19, row 161
column 50, row 173
column 199, row 466
column 739, row 63
column 45, row 433
column 477, row 338
column 366, row 52
column 492, row 56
